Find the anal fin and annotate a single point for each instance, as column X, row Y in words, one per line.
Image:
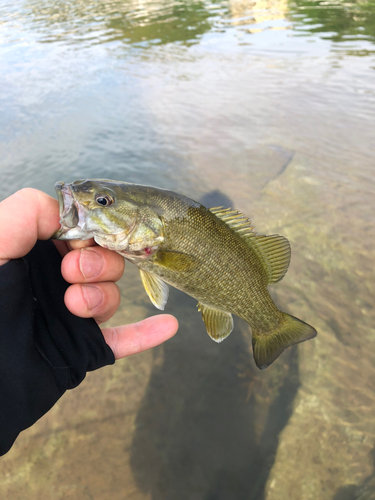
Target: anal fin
column 219, row 324
column 155, row 288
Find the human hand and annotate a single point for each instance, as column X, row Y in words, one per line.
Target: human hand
column 29, row 215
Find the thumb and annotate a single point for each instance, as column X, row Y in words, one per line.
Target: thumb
column 25, row 217
column 137, row 337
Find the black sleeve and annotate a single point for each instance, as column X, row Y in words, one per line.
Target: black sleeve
column 44, row 349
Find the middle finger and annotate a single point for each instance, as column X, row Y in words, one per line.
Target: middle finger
column 92, row 264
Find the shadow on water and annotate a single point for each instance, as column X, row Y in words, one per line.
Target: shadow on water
column 200, row 433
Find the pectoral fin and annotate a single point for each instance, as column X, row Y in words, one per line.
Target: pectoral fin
column 219, row 324
column 176, row 261
column 155, row 288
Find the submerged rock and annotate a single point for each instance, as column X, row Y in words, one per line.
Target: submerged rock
column 327, row 441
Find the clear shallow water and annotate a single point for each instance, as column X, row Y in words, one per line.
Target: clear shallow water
column 265, row 106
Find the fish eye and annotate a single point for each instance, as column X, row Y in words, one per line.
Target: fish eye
column 104, row 200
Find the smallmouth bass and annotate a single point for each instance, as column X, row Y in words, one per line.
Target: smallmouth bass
column 211, row 254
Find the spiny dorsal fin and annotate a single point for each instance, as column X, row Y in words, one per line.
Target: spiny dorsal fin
column 273, row 251
column 235, row 220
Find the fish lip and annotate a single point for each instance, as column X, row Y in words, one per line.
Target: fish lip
column 69, row 213
column 60, row 198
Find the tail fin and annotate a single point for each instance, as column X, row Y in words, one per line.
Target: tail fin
column 290, row 330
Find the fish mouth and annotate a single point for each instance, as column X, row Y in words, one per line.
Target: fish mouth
column 68, row 210
column 72, row 216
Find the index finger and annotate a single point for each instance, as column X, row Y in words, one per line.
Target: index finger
column 92, row 264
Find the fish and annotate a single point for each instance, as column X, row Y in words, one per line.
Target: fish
column 211, row 254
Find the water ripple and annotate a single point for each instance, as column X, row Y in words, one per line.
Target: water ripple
column 153, row 22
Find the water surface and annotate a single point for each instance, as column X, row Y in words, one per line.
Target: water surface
column 267, row 106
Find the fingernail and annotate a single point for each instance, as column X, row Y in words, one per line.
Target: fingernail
column 90, row 263
column 92, row 295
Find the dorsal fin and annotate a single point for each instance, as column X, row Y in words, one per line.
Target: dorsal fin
column 235, row 220
column 273, row 251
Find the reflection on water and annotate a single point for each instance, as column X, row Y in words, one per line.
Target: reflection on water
column 262, row 105
column 149, row 22
column 245, row 13
column 134, row 22
column 337, row 20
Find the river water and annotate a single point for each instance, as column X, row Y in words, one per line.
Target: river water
column 266, row 106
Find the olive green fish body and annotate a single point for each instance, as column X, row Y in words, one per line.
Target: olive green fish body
column 222, row 270
column 211, row 254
